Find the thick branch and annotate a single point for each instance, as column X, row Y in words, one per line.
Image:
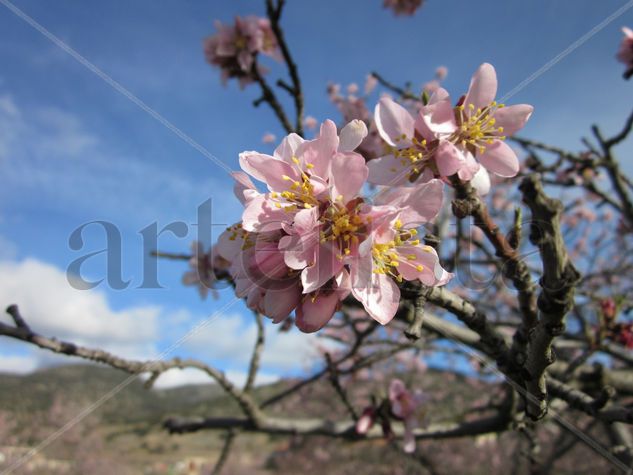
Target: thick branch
column 468, row 203
column 341, row 429
column 593, row 406
column 557, row 289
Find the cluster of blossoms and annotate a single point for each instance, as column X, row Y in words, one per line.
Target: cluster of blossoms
column 466, row 139
column 625, row 53
column 403, row 405
column 234, row 48
column 403, row 7
column 311, row 240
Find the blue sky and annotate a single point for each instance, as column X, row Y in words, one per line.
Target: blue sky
column 73, row 150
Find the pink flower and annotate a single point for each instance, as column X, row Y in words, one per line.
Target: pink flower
column 366, row 420
column 203, row 267
column 233, row 48
column 444, row 140
column 608, row 308
column 405, row 405
column 269, row 138
column 625, row 53
column 392, row 252
column 441, row 72
column 403, row 7
column 370, row 84
column 310, row 122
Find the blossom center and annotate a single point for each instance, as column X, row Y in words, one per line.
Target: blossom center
column 390, row 256
column 343, row 226
column 477, row 126
column 300, row 194
column 411, row 155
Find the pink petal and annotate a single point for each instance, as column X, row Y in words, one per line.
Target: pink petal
column 448, row 158
column 268, row 169
column 396, row 389
column 377, row 292
column 319, row 151
column 348, row 175
column 278, row 304
column 299, row 250
column 261, row 212
column 312, row 315
column 437, row 116
column 387, row 170
column 393, row 121
column 352, row 135
column 288, row 147
column 229, row 248
column 423, row 203
column 409, row 437
column 481, row 181
column 499, row 158
column 483, row 87
column 513, row 118
column 470, row 167
column 244, row 189
column 327, row 264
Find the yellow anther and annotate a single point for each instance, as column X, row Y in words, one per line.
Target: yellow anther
column 397, row 224
column 278, row 205
column 285, row 177
column 347, row 252
column 419, row 267
column 394, row 263
column 310, row 166
column 413, row 232
column 296, row 160
column 411, row 257
column 415, row 242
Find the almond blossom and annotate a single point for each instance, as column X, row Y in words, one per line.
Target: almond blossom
column 406, row 406
column 233, row 48
column 311, row 239
column 625, row 53
column 392, row 252
column 403, row 7
column 203, row 267
column 444, row 140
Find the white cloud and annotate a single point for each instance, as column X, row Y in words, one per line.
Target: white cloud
column 52, row 307
column 18, row 364
column 49, row 156
column 177, row 377
column 231, row 338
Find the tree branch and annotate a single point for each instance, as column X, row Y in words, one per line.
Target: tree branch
column 557, row 289
column 155, row 367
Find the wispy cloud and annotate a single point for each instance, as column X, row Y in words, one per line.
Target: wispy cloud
column 48, row 156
